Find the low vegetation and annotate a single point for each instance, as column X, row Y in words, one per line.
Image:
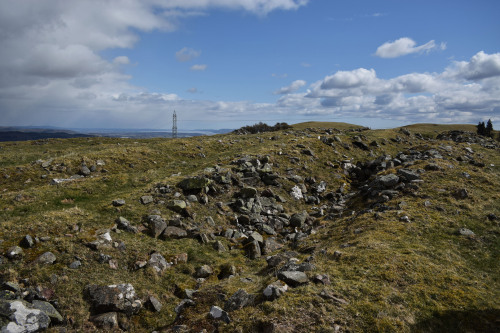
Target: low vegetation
column 400, row 232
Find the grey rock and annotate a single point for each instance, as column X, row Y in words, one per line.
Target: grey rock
column 123, row 224
column 255, row 236
column 219, row 314
column 194, row 183
column 219, row 247
column 238, row 300
column 182, row 305
column 465, row 232
column 409, row 175
column 154, row 304
column 75, row 264
column 226, row 271
column 118, row 202
column 275, row 290
column 27, row 242
column 158, row 262
column 146, row 199
column 84, row 171
column 293, row 278
column 177, row 205
column 22, row 318
column 387, row 181
column 248, row 192
column 253, row 249
column 107, row 321
column 203, row 271
column 271, row 245
column 46, row 258
column 14, row 252
column 192, row 198
column 298, row 219
column 49, row 310
column 174, row 232
column 120, row 298
column 156, row 225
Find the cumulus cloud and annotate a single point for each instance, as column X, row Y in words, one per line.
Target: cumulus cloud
column 294, row 86
column 481, row 66
column 344, row 79
column 198, row 67
column 187, row 54
column 404, row 46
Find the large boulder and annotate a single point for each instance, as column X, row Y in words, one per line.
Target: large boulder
column 293, row 278
column 238, row 300
column 194, row 184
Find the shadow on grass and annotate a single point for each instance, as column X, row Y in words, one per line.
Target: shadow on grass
column 461, row 321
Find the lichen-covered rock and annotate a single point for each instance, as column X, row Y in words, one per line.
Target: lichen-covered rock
column 293, row 278
column 120, row 298
column 22, row 318
column 194, row 183
column 238, row 300
column 275, row 290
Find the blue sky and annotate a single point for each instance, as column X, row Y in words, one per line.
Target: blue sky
column 229, row 63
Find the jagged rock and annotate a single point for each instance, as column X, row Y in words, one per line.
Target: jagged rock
column 293, row 278
column 46, row 258
column 174, row 232
column 219, row 247
column 203, row 271
column 107, row 321
column 154, row 304
column 219, row 314
column 296, row 193
column 118, row 202
column 194, row 183
column 238, row 300
column 275, row 290
column 158, row 262
column 183, row 304
column 271, row 245
column 387, row 181
column 22, row 318
column 49, row 310
column 27, row 242
column 253, row 249
column 123, row 224
column 298, row 219
column 360, row 145
column 14, row 252
column 255, row 236
column 147, row 199
column 409, row 175
column 156, row 225
column 308, row 152
column 120, row 298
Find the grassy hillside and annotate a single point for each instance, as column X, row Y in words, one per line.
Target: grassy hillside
column 392, row 259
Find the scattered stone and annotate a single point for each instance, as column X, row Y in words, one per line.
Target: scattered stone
column 219, row 247
column 321, row 278
column 296, row 193
column 238, row 300
column 253, row 249
column 118, row 202
column 123, row 224
column 156, row 225
column 177, row 205
column 174, row 232
column 146, row 199
column 461, row 194
column 182, row 305
column 194, row 184
column 326, row 295
column 47, row 258
column 107, row 321
column 120, row 298
column 248, row 192
column 27, row 242
column 203, row 271
column 409, row 175
column 49, row 310
column 75, row 264
column 465, row 232
column 14, row 252
column 275, row 290
column 298, row 219
column 219, row 314
column 158, row 262
column 293, row 278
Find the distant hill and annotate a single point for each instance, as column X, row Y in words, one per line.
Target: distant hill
column 24, row 134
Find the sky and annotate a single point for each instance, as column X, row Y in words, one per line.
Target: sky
column 229, row 63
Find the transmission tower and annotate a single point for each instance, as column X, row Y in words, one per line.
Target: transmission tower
column 174, row 126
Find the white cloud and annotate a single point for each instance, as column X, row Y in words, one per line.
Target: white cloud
column 294, row 86
column 343, row 79
column 404, row 46
column 481, row 66
column 121, row 60
column 187, row 54
column 198, row 67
